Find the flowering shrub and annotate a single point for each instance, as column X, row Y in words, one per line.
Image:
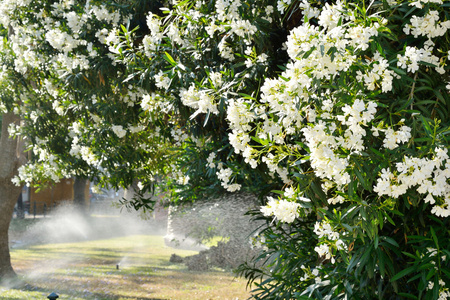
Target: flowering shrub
column 342, row 109
column 202, row 62
column 81, row 117
column 360, row 119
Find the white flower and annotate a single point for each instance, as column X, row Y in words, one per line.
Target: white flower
column 162, row 81
column 428, row 26
column 289, row 192
column 441, row 211
column 198, row 99
column 216, row 79
column 282, row 210
column 337, row 199
column 224, row 175
column 119, row 131
column 153, row 23
column 429, row 199
column 393, row 138
column 61, row 40
column 210, row 160
column 183, row 180
column 323, row 250
column 140, row 185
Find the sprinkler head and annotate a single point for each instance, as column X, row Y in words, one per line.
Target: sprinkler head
column 117, row 266
column 53, row 296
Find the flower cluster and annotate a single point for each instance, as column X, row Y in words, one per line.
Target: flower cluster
column 330, row 240
column 428, row 176
column 283, row 210
column 225, row 177
column 199, row 100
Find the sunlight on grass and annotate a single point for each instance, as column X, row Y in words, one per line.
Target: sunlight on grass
column 88, row 270
column 215, row 240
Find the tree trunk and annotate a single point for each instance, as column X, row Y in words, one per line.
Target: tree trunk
column 79, row 196
column 8, row 197
column 130, row 192
column 11, row 157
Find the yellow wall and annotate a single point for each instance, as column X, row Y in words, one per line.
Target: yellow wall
column 54, row 195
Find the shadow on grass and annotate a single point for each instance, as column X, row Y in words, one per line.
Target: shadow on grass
column 22, row 286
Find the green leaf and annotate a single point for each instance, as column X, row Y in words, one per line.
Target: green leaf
column 444, row 271
column 424, row 87
column 381, row 261
column 353, row 262
column 439, row 95
column 348, row 288
column 375, row 151
column 206, row 118
column 389, row 218
column 398, row 71
column 410, row 255
column 365, row 256
column 260, row 141
column 390, row 241
column 170, row 59
column 308, row 53
column 318, row 191
column 435, row 239
column 409, row 296
column 426, row 125
column 425, row 266
column 410, row 11
column 403, row 273
column 431, row 273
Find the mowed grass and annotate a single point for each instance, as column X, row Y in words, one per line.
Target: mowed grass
column 87, row 270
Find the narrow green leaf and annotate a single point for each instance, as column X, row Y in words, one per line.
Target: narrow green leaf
column 389, row 218
column 398, row 71
column 425, row 266
column 260, row 141
column 427, row 64
column 439, row 96
column 426, row 125
column 390, row 240
column 308, row 53
column 410, row 255
column 170, row 59
column 433, row 235
column 431, row 273
column 353, row 262
column 445, row 271
column 409, row 296
column 403, row 273
column 381, row 261
column 410, row 11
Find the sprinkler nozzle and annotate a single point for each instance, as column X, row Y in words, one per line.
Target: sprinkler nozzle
column 117, row 266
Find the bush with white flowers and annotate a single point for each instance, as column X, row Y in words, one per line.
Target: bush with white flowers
column 359, row 117
column 79, row 116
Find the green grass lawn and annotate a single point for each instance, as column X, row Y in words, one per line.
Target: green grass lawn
column 87, row 270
